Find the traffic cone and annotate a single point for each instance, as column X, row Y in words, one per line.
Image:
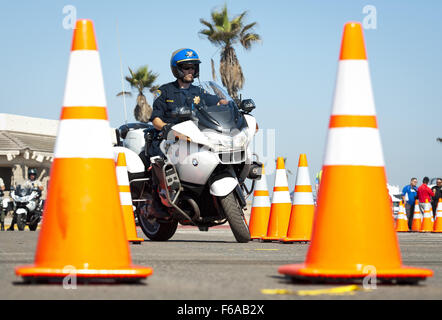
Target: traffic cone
column 417, row 218
column 438, row 222
column 427, row 222
column 351, row 238
column 259, row 217
column 281, row 204
column 83, row 232
column 303, row 208
column 126, row 200
column 401, row 220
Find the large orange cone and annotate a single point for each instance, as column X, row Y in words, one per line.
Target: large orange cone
column 281, row 205
column 259, row 217
column 126, row 199
column 350, row 239
column 401, row 220
column 303, row 208
column 438, row 222
column 83, row 232
column 427, row 222
column 417, row 218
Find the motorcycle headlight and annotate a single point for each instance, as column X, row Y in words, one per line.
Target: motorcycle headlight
column 240, row 139
column 219, row 139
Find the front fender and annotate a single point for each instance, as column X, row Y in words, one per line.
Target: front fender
column 223, row 186
column 133, row 162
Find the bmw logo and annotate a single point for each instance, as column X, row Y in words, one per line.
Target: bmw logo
column 195, row 162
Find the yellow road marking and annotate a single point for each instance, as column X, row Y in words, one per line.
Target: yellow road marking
column 350, row 290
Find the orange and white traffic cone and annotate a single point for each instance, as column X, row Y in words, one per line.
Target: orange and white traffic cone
column 259, row 216
column 303, row 208
column 83, row 232
column 401, row 220
column 281, row 205
column 427, row 222
column 343, row 245
column 417, row 218
column 438, row 222
column 126, row 199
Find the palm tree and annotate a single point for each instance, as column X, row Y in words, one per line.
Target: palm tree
column 141, row 79
column 225, row 33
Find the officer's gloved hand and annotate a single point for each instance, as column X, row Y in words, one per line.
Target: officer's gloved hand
column 165, row 130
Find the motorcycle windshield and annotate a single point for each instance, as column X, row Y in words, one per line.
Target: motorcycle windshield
column 22, row 191
column 224, row 118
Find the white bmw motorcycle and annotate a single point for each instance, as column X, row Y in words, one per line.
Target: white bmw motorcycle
column 27, row 206
column 202, row 178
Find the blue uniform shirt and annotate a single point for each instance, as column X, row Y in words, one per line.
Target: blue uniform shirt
column 410, row 193
column 170, row 97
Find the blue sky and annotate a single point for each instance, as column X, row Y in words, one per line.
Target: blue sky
column 290, row 75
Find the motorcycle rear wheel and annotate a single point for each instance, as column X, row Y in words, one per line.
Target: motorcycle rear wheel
column 235, row 216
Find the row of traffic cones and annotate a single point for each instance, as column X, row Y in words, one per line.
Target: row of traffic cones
column 420, row 223
column 283, row 220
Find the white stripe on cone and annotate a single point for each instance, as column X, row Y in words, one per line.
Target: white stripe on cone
column 73, row 133
column 303, row 198
column 303, row 177
column 81, row 90
column 354, row 146
column 353, row 88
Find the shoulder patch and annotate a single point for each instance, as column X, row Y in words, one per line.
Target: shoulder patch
column 157, row 93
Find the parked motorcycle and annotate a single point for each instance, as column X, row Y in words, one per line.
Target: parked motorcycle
column 202, row 180
column 27, row 206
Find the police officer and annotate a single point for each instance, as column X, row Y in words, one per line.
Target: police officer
column 2, row 211
column 173, row 96
column 33, row 183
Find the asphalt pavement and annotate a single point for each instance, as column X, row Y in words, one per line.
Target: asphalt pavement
column 196, row 265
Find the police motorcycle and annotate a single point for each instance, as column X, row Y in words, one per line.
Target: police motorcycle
column 202, row 180
column 27, row 206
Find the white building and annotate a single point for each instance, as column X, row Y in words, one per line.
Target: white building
column 26, row 142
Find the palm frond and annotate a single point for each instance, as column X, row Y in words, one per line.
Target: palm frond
column 127, row 93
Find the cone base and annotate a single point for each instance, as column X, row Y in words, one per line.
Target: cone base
column 403, row 231
column 270, row 239
column 136, row 240
column 36, row 274
column 401, row 275
column 292, row 240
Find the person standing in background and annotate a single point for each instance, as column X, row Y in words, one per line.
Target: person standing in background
column 424, row 193
column 409, row 195
column 2, row 211
column 437, row 189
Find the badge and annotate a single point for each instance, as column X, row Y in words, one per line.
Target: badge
column 196, row 100
column 189, row 54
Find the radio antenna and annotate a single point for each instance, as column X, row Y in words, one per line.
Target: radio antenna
column 121, row 72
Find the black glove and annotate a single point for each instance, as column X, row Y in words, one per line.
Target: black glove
column 165, row 130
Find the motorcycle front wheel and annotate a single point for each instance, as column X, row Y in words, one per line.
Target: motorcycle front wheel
column 157, row 231
column 21, row 222
column 235, row 216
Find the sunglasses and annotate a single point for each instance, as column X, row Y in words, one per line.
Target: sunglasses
column 191, row 67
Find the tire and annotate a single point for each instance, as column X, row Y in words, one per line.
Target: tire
column 34, row 224
column 21, row 222
column 235, row 216
column 157, row 231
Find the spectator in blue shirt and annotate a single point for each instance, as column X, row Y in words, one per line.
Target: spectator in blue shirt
column 409, row 196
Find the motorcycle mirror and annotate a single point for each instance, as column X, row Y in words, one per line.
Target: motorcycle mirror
column 247, row 105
